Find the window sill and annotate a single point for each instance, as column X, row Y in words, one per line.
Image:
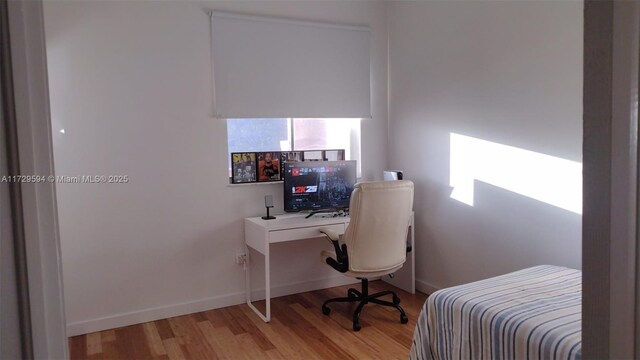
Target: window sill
column 257, row 183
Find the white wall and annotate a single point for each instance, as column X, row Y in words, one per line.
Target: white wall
column 131, row 86
column 506, row 72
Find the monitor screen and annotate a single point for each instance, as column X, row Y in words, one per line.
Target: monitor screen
column 318, row 185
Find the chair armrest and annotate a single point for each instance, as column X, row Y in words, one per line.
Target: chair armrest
column 341, row 251
column 332, row 235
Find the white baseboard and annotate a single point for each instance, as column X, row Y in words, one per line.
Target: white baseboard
column 304, row 286
column 425, row 287
column 163, row 312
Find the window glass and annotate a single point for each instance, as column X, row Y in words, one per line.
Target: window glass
column 318, row 134
column 282, row 134
column 257, row 135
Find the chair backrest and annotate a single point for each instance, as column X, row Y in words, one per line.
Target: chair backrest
column 376, row 237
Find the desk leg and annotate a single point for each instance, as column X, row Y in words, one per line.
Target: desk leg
column 267, row 281
column 413, row 254
column 405, row 278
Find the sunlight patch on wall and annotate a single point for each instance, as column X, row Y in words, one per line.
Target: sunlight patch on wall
column 546, row 178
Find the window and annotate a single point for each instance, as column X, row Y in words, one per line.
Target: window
column 294, row 134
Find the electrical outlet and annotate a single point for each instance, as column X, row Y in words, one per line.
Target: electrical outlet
column 241, row 258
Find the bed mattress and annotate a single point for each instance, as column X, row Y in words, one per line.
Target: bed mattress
column 533, row 313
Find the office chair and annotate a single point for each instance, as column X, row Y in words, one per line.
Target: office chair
column 374, row 243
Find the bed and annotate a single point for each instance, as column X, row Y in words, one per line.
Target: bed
column 533, row 313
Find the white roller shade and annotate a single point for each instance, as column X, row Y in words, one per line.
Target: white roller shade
column 266, row 67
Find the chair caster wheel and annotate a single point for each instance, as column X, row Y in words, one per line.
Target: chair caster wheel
column 404, row 319
column 326, row 310
column 396, row 300
column 351, row 294
column 356, row 327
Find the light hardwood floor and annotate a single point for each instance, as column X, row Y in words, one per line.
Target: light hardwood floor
column 298, row 330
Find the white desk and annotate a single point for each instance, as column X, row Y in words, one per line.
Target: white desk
column 259, row 234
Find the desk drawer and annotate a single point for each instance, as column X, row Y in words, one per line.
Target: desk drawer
column 302, row 233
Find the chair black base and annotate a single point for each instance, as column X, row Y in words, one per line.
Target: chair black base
column 364, row 298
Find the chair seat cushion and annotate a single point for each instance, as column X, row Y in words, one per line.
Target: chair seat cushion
column 357, row 274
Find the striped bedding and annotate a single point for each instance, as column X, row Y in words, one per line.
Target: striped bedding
column 533, row 313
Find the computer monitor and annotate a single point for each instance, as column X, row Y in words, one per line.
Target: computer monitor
column 318, row 185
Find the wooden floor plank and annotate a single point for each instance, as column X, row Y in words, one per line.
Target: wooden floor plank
column 298, row 330
column 348, row 341
column 173, row 349
column 274, row 354
column 312, row 337
column 222, row 341
column 78, row 347
column 191, row 338
column 249, row 347
column 133, row 342
column 153, row 338
column 230, row 321
column 94, row 343
column 107, row 336
column 216, row 318
column 257, row 336
column 285, row 340
column 200, row 316
column 111, row 351
column 207, row 331
column 164, row 329
column 342, row 315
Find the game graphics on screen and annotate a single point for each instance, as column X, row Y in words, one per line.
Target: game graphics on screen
column 319, row 187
